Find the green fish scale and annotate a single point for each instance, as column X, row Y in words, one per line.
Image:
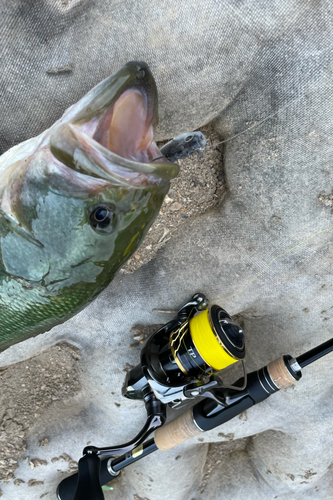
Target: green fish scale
column 20, row 325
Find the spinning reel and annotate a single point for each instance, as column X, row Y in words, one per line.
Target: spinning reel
column 179, row 363
column 180, row 360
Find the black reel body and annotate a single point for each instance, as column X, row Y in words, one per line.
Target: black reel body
column 179, row 361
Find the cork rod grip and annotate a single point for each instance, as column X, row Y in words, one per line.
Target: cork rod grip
column 280, row 374
column 177, row 431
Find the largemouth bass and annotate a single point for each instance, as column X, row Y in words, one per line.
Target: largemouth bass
column 76, row 201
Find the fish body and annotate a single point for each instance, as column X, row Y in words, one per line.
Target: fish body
column 76, row 201
column 183, row 145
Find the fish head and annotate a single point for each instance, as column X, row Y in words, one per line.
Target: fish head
column 77, row 207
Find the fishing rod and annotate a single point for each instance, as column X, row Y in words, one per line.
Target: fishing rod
column 179, row 363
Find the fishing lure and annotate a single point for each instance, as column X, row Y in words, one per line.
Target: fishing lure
column 184, row 145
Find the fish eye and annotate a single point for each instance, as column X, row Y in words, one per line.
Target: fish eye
column 189, row 138
column 101, row 217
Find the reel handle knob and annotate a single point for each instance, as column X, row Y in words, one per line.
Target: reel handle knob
column 88, row 484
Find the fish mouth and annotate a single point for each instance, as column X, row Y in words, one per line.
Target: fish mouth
column 109, row 133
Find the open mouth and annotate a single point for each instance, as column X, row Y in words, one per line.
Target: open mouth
column 126, row 130
column 112, row 138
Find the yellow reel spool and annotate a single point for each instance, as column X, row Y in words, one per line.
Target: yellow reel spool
column 211, row 340
column 208, row 343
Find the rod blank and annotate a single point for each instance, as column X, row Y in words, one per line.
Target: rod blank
column 317, row 352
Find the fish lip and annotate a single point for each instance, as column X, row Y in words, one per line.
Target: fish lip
column 84, row 125
column 135, row 75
